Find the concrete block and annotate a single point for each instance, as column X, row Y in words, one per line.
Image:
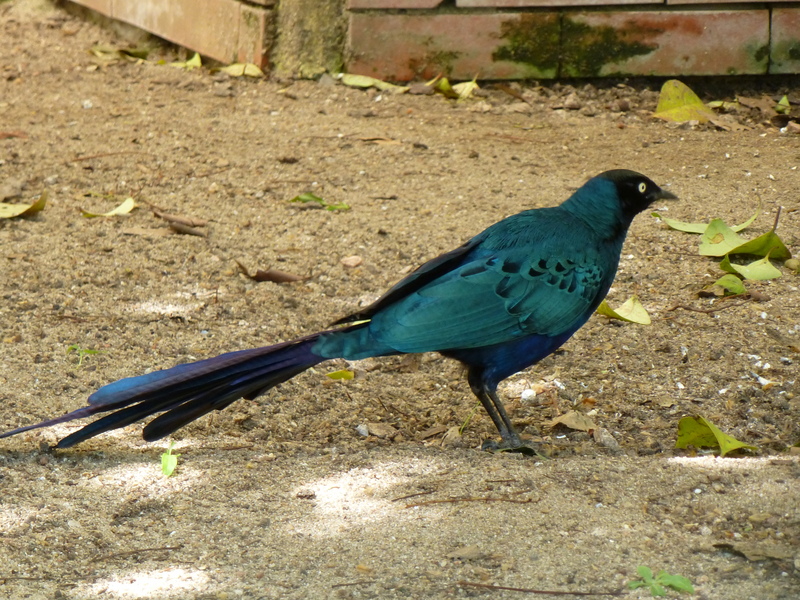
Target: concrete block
column 392, row 4
column 702, row 42
column 213, row 31
column 548, row 3
column 493, row 46
column 785, row 48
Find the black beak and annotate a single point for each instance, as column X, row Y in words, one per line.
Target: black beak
column 664, row 195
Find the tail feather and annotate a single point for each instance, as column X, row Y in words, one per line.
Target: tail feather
column 186, row 392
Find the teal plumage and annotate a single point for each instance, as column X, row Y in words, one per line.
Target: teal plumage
column 501, row 302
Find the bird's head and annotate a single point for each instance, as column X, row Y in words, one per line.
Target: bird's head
column 635, row 191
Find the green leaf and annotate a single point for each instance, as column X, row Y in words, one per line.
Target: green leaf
column 9, row 211
column 644, row 572
column 341, row 374
column 676, row 582
column 731, row 284
column 718, row 239
column 445, row 89
column 783, row 107
column 700, row 433
column 678, row 103
column 759, row 270
column 123, row 209
column 701, row 227
column 657, row 590
column 631, row 311
column 362, row 81
column 169, row 461
column 766, row 244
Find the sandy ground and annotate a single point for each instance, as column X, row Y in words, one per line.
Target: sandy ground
column 282, row 497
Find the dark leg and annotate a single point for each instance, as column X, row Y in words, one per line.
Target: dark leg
column 493, row 406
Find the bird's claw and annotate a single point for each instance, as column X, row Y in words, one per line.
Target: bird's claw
column 513, row 444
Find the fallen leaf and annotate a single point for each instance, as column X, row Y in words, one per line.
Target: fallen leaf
column 701, row 227
column 381, row 430
column 362, row 81
column 700, row 433
column 718, row 239
column 341, row 374
column 466, row 88
column 631, row 311
column 759, row 270
column 574, row 420
column 193, row 63
column 766, row 244
column 186, row 230
column 678, row 103
column 731, row 284
column 273, row 275
column 8, row 211
column 243, row 70
column 4, row 135
column 123, row 209
column 188, row 221
column 765, row 104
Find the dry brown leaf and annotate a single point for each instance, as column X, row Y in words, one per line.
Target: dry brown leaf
column 273, row 275
column 180, row 219
column 574, row 420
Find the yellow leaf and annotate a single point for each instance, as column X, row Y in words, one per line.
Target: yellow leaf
column 8, row 211
column 243, row 70
column 631, row 311
column 123, row 209
column 342, row 374
column 677, row 102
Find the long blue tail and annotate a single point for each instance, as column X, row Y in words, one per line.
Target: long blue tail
column 189, row 391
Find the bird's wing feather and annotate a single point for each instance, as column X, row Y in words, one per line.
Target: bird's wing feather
column 494, row 299
column 418, row 278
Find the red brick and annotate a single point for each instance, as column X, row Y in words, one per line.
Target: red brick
column 785, row 50
column 404, row 47
column 702, row 42
column 255, row 37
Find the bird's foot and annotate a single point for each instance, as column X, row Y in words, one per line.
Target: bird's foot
column 510, row 444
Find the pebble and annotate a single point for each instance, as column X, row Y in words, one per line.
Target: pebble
column 352, row 261
column 572, row 102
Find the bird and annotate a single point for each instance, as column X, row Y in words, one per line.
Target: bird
column 498, row 304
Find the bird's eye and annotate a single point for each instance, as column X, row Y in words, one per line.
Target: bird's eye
column 642, row 187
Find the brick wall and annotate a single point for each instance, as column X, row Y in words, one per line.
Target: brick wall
column 493, row 39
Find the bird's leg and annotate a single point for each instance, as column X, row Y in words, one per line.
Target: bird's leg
column 495, row 408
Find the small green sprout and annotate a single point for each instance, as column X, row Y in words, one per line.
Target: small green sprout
column 660, row 581
column 82, row 352
column 169, row 461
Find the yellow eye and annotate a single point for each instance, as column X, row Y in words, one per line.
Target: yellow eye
column 642, row 187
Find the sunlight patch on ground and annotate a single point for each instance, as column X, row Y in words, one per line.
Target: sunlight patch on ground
column 716, row 462
column 165, row 583
column 16, row 518
column 148, row 475
column 361, row 496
